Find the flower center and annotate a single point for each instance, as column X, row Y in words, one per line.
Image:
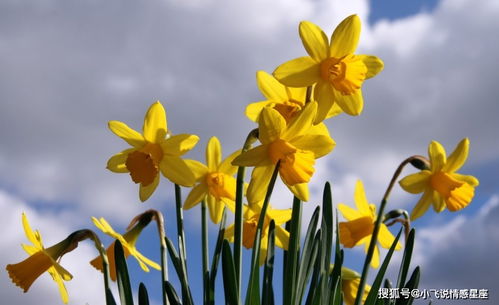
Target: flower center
column 249, row 230
column 221, row 186
column 345, row 74
column 296, row 165
column 456, row 194
column 143, row 164
column 351, row 232
column 288, row 109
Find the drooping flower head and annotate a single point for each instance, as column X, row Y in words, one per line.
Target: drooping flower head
column 440, row 184
column 41, row 260
column 128, row 241
column 337, row 73
column 292, row 145
column 153, row 151
column 215, row 181
column 251, row 216
column 359, row 228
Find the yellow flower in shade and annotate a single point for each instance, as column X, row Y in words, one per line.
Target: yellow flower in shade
column 215, row 181
column 128, row 241
column 292, row 144
column 41, row 259
column 350, row 281
column 288, row 101
column 251, row 216
column 337, row 73
column 440, row 184
column 153, row 151
column 359, row 228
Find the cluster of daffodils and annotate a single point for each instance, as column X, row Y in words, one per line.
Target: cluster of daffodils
column 299, row 95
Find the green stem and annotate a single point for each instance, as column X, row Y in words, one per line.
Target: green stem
column 238, row 218
column 187, row 298
column 374, row 238
column 206, row 272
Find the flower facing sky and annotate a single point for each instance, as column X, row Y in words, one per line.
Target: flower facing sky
column 293, row 145
column 152, row 151
column 440, row 184
column 359, row 228
column 41, row 259
column 215, row 181
column 128, row 241
column 250, row 222
column 337, row 73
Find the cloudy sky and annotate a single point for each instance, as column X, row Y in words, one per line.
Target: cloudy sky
column 68, row 67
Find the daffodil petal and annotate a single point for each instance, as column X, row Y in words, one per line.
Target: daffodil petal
column 196, row 195
column 360, row 199
column 216, row 208
column 62, row 272
column 375, row 259
column 351, row 104
column 320, row 145
column 314, row 40
column 334, row 111
column 438, row 202
column 155, row 123
column 213, row 154
column 260, row 179
column 226, row 166
column 437, row 155
column 30, row 235
column 348, row 212
column 30, row 249
column 116, row 163
column 374, row 65
column 280, row 216
column 60, row 284
column 141, row 258
column 177, row 171
column 386, row 238
column 198, row 169
column 229, row 233
column 457, row 157
column 270, row 87
column 422, row 206
column 281, row 238
column 416, row 183
column 324, row 95
column 253, row 110
column 300, row 190
column 345, row 37
column 178, row 145
column 302, row 123
column 298, row 95
column 130, row 136
column 270, row 125
column 229, row 203
column 466, row 178
column 257, row 156
column 298, row 72
column 146, row 191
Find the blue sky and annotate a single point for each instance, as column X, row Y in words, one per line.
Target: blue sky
column 68, row 67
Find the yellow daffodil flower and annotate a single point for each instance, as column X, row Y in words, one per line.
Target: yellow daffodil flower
column 288, row 101
column 152, row 152
column 337, row 73
column 41, row 259
column 292, row 145
column 350, row 281
column 215, row 181
column 128, row 241
column 440, row 184
column 250, row 222
column 359, row 228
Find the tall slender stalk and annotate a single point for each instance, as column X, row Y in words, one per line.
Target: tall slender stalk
column 206, row 262
column 374, row 238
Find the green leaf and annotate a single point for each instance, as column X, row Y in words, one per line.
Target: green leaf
column 123, row 279
column 308, row 256
column 109, row 298
column 373, row 293
column 177, row 264
column 216, row 257
column 411, row 284
column 289, row 287
column 143, row 296
column 327, row 240
column 314, row 293
column 172, row 294
column 229, row 275
column 406, row 258
column 268, row 270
